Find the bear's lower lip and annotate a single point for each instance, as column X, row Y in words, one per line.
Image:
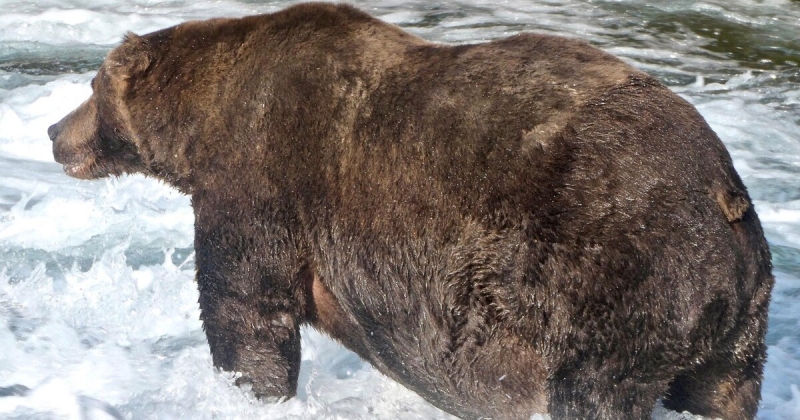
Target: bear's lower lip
column 80, row 169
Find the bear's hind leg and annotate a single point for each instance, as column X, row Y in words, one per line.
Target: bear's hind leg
column 721, row 389
column 728, row 384
column 581, row 397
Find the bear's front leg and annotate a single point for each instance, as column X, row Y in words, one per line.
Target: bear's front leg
column 251, row 297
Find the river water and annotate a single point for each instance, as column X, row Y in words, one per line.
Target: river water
column 98, row 312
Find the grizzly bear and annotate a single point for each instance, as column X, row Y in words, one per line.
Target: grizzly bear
column 522, row 226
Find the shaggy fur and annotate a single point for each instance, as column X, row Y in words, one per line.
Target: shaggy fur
column 526, row 225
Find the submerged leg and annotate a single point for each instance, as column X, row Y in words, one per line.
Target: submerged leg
column 724, row 388
column 728, row 384
column 585, row 396
column 251, row 300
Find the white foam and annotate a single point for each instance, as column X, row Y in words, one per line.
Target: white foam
column 70, row 215
column 76, row 27
column 95, row 23
column 27, row 111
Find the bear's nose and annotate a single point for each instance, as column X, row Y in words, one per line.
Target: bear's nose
column 53, row 131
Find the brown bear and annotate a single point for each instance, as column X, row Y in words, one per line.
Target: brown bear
column 522, row 226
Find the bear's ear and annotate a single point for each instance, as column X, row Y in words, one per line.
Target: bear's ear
column 131, row 58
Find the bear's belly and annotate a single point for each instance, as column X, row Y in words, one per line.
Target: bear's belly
column 470, row 381
column 328, row 316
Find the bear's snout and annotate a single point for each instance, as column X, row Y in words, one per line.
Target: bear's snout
column 53, row 131
column 62, row 152
column 74, row 134
column 75, row 141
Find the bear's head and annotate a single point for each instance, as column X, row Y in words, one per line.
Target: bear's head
column 96, row 139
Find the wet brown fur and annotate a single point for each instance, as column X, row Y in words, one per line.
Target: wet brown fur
column 526, row 225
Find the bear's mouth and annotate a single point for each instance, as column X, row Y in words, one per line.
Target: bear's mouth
column 81, row 170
